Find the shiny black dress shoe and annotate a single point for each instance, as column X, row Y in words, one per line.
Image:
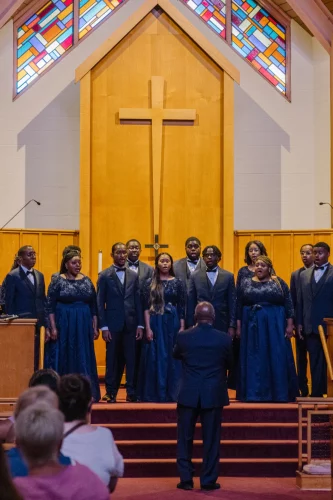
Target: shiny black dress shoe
column 109, row 398
column 185, row 485
column 210, row 487
column 131, row 399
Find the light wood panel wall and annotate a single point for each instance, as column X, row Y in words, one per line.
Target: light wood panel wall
column 283, row 247
column 48, row 245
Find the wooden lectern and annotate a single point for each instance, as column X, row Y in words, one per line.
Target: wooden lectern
column 17, row 338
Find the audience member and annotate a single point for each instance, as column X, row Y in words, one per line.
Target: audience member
column 7, row 488
column 91, row 446
column 39, row 433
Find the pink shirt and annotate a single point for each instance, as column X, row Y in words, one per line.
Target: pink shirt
column 75, row 482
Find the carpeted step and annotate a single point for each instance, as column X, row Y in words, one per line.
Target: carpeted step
column 231, row 430
column 228, row 467
column 229, row 449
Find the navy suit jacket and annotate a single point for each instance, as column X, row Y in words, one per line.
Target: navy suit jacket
column 182, row 271
column 144, row 273
column 315, row 302
column 206, row 355
column 21, row 296
column 222, row 296
column 119, row 306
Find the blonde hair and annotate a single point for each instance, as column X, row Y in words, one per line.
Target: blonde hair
column 35, row 395
column 39, row 432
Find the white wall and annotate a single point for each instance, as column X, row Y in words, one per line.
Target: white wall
column 281, row 149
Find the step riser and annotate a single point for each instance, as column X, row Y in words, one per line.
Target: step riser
column 227, row 470
column 227, row 451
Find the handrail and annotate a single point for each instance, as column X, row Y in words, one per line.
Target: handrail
column 326, row 353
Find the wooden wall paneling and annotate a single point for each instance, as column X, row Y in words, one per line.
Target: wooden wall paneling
column 9, row 244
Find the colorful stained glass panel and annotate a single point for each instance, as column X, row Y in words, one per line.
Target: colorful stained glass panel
column 260, row 39
column 92, row 12
column 42, row 39
column 211, row 12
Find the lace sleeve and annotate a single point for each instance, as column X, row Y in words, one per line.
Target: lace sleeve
column 52, row 296
column 181, row 299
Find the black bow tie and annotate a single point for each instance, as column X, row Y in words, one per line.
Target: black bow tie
column 119, row 269
column 194, row 262
column 133, row 264
column 211, row 270
column 319, row 268
column 29, row 272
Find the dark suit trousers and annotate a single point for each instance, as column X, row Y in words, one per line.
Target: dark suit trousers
column 211, row 434
column 318, row 366
column 120, row 351
column 302, row 364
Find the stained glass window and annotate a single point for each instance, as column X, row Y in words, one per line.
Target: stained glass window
column 261, row 39
column 210, row 11
column 92, row 12
column 42, row 39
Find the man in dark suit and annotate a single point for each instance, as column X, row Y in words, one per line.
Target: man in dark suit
column 121, row 320
column 184, row 268
column 301, row 352
column 143, row 270
column 25, row 293
column 206, row 355
column 214, row 285
column 315, row 302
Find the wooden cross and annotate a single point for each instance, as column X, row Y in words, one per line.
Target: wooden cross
column 156, row 245
column 157, row 114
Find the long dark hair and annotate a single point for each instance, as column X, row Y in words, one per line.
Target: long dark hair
column 7, row 488
column 156, row 287
column 74, row 397
column 16, row 262
column 68, row 256
column 261, row 247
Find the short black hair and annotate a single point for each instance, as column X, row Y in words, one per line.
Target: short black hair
column 306, row 245
column 115, row 244
column 133, row 239
column 23, row 249
column 47, row 377
column 216, row 251
column 261, row 247
column 322, row 244
column 192, row 238
column 71, row 248
column 74, row 397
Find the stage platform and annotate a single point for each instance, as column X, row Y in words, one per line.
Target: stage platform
column 258, row 440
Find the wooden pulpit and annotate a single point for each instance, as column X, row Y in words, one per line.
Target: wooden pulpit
column 17, row 339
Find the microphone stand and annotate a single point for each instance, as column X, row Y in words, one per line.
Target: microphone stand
column 38, row 203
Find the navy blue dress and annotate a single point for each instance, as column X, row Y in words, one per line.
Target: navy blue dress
column 159, row 371
column 267, row 367
column 74, row 304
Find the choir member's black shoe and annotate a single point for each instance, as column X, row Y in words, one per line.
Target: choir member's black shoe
column 210, row 487
column 131, row 399
column 185, row 485
column 109, row 398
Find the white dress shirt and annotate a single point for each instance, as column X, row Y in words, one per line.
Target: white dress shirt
column 318, row 273
column 192, row 265
column 132, row 267
column 212, row 275
column 30, row 276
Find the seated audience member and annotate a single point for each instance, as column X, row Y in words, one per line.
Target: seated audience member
column 88, row 445
column 7, row 488
column 50, row 378
column 39, row 432
column 41, row 394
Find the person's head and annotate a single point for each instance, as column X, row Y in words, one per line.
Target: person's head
column 27, row 256
column 34, row 395
column 164, row 264
column 133, row 248
column 75, row 397
column 263, row 267
column 253, row 249
column 204, row 313
column 71, row 248
column 119, row 254
column 321, row 253
column 16, row 262
column 193, row 248
column 212, row 256
column 71, row 263
column 39, row 431
column 307, row 256
column 7, row 488
column 47, row 377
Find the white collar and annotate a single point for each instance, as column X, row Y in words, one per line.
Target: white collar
column 25, row 269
